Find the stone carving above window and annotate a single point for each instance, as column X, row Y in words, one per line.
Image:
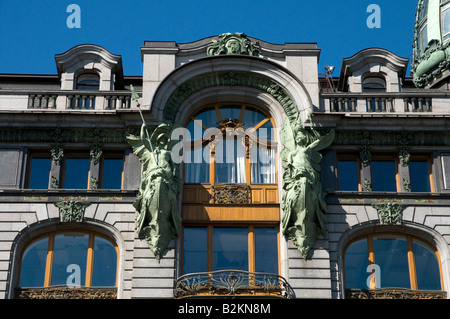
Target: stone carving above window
column 236, row 43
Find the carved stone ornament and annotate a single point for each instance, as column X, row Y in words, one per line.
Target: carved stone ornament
column 229, row 43
column 72, row 211
column 390, row 212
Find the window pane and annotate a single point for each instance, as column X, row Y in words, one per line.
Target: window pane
column 230, row 161
column 252, row 117
column 196, row 168
column 231, row 112
column 356, row 262
column 263, row 166
column 419, row 172
column 32, row 271
column 76, row 173
column 391, row 256
column 40, row 172
column 195, row 250
column 427, row 267
column 230, row 249
column 208, row 118
column 446, row 23
column 112, row 173
column 266, row 250
column 105, row 263
column 348, row 175
column 70, row 249
column 88, row 82
column 384, row 175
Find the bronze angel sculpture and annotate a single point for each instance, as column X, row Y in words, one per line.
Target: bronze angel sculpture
column 303, row 202
column 158, row 220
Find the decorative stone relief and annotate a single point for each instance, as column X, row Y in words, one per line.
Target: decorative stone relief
column 403, row 153
column 72, row 210
column 389, row 212
column 365, row 149
column 96, row 147
column 57, row 151
column 237, row 43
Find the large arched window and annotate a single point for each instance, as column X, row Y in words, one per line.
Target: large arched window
column 230, row 143
column 69, row 259
column 392, row 261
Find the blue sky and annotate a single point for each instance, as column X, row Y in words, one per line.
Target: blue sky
column 33, row 31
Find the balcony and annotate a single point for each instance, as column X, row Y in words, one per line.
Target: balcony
column 232, row 284
column 394, row 293
column 429, row 101
column 81, row 100
column 64, row 292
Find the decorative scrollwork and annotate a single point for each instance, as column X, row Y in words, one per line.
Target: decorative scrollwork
column 232, row 283
column 230, row 193
column 64, row 292
column 394, row 294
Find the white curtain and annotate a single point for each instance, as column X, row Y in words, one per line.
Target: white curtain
column 196, row 168
column 263, row 165
column 230, row 161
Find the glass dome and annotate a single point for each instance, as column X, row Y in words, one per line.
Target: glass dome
column 431, row 55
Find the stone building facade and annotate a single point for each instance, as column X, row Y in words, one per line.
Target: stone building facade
column 69, row 177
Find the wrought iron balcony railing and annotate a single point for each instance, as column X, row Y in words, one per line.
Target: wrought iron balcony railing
column 64, row 292
column 394, row 293
column 232, row 283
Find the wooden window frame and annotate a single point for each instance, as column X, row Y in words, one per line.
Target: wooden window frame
column 377, row 157
column 410, row 254
column 83, row 155
column 270, row 145
column 38, row 154
column 250, row 241
column 116, row 155
column 430, row 168
column 349, row 156
column 90, row 255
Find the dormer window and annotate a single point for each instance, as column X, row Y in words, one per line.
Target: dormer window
column 374, row 84
column 88, row 81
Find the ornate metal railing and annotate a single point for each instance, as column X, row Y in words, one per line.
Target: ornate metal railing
column 394, row 293
column 230, row 193
column 232, row 283
column 64, row 292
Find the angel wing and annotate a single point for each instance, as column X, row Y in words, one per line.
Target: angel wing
column 141, row 151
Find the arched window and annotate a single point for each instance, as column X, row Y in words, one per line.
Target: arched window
column 69, row 259
column 392, row 261
column 374, row 83
column 88, row 81
column 230, row 143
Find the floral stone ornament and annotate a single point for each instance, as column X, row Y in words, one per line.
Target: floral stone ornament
column 72, row 211
column 389, row 212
